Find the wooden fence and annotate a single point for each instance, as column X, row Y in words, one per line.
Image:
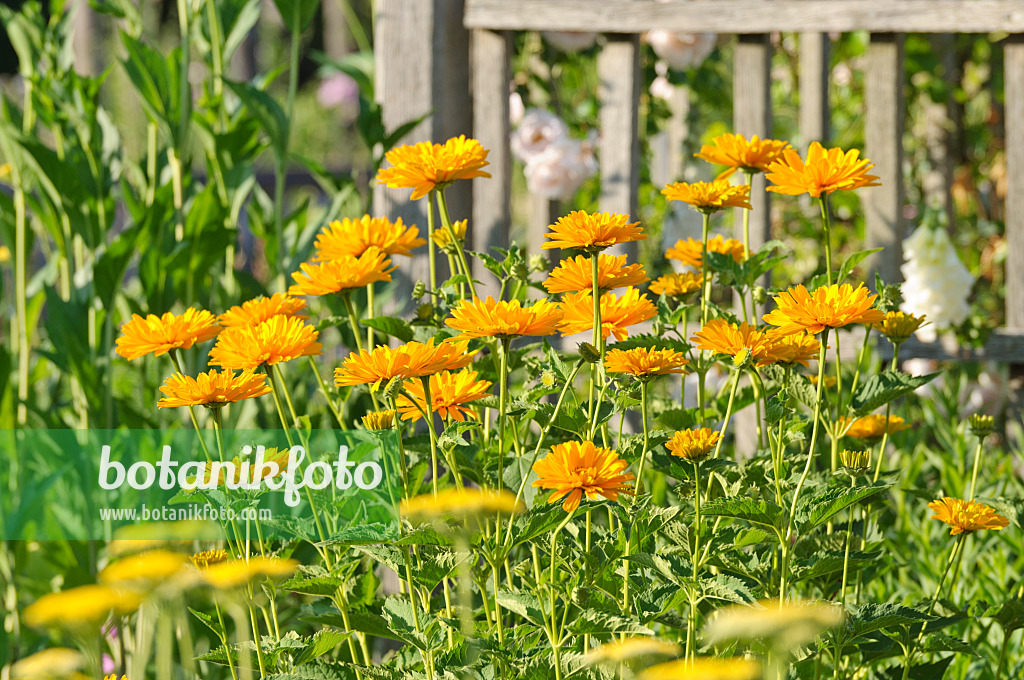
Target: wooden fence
column 418, row 76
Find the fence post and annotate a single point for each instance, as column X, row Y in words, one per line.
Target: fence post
column 1014, row 95
column 814, row 72
column 422, row 69
column 883, row 136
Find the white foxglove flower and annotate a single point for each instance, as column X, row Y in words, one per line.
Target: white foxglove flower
column 537, row 131
column 936, row 283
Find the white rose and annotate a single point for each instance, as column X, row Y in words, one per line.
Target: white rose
column 570, row 41
column 681, row 50
column 662, row 89
column 560, row 170
column 536, row 132
column 516, row 109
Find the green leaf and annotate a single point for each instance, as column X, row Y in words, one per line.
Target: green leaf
column 399, row 614
column 940, row 642
column 296, row 14
column 322, row 642
column 390, row 325
column 761, row 512
column 869, row 618
column 853, row 260
column 827, row 505
column 728, row 588
column 269, row 113
column 881, row 388
column 595, row 622
column 1009, row 614
column 209, row 621
column 527, row 606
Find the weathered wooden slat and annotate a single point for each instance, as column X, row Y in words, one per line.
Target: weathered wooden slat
column 1014, row 79
column 755, row 16
column 883, row 206
column 618, row 69
column 491, row 72
column 814, row 72
column 543, row 213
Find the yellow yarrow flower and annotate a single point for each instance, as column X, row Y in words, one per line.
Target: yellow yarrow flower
column 703, row 668
column 55, row 662
column 899, row 326
column 212, row 389
column 645, row 363
column 233, row 573
column 153, row 565
column 352, row 237
column 577, row 274
column 677, row 285
column 691, row 251
column 737, row 153
column 158, row 335
column 592, row 232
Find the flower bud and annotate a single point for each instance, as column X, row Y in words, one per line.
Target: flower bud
column 538, row 263
column 760, row 295
column 981, row 425
column 419, row 290
column 424, row 311
column 379, row 420
column 589, row 353
column 855, row 460
column 521, row 271
column 393, row 387
column 742, row 359
column 548, row 378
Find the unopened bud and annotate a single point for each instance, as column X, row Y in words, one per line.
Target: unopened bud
column 759, row 294
column 548, row 378
column 424, row 311
column 393, row 387
column 855, row 460
column 379, row 420
column 419, row 290
column 589, row 353
column 521, row 271
column 538, row 263
column 981, row 425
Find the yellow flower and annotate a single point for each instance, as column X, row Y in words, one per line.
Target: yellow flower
column 832, row 306
column 871, row 426
column 504, row 319
column 898, row 326
column 232, row 573
column 158, row 335
column 694, row 444
column 721, row 337
column 5, row 254
column 735, row 152
column 448, row 392
column 966, row 516
column 703, row 668
column 619, row 651
column 353, row 237
column 411, row 360
column 55, row 662
column 830, row 381
column 709, row 197
column 789, row 626
column 462, row 502
column 691, row 252
column 425, row 167
column 824, row 171
column 81, row 606
column 592, row 232
column 575, row 469
column 278, row 339
column 645, row 363
column 618, row 312
column 443, row 241
column 260, row 309
column 855, row 460
column 677, row 285
column 341, row 275
column 206, row 558
column 379, row 420
column 797, row 348
column 113, row 676
column 153, row 565
column 212, row 389
column 576, row 274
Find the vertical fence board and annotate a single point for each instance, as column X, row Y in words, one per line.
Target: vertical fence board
column 814, row 72
column 491, row 73
column 883, row 206
column 1014, row 92
column 618, row 68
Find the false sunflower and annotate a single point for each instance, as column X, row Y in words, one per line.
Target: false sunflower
column 260, row 309
column 504, row 319
column 966, row 516
column 278, row 339
column 576, row 469
column 694, row 444
column 709, row 197
column 81, row 606
column 158, row 335
column 691, row 251
column 411, row 360
column 449, row 392
column 379, row 420
column 618, row 312
column 425, row 167
column 737, row 153
column 677, row 285
column 703, row 668
column 832, row 306
column 462, row 503
column 592, row 232
column 233, row 573
column 576, row 274
column 353, row 237
column 212, row 389
column 824, row 171
column 721, row 337
column 443, row 240
column 645, row 363
column 899, row 326
column 871, row 426
column 796, row 348
column 151, row 565
column 343, row 274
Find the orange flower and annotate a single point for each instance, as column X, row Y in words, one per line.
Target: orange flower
column 677, row 285
column 722, row 337
column 592, row 232
column 504, row 319
column 694, row 444
column 279, row 338
column 617, row 312
column 691, row 252
column 737, row 153
column 353, row 237
column 212, row 389
column 832, row 306
column 448, row 392
column 343, row 274
column 645, row 363
column 575, row 469
column 425, row 167
column 797, row 348
column 577, row 274
column 411, row 360
column 443, row 240
column 871, row 426
column 824, row 171
column 966, row 516
column 158, row 335
column 709, row 197
column 262, row 308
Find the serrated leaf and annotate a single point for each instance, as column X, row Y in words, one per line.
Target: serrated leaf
column 322, row 642
column 825, row 506
column 522, row 604
column 389, row 325
column 595, row 622
column 728, row 588
column 882, row 388
column 1009, row 614
column 854, row 259
column 869, row 618
column 761, row 512
column 940, row 642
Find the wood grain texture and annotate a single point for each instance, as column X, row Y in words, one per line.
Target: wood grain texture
column 491, row 73
column 618, row 69
column 814, row 72
column 754, row 16
column 883, row 134
column 752, row 115
column 1014, row 79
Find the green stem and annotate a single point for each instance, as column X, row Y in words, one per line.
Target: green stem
column 428, row 416
column 442, row 208
column 885, row 433
column 827, row 222
column 957, row 548
column 431, row 246
column 974, row 473
column 325, row 392
column 191, row 410
column 275, row 390
column 504, row 346
column 705, row 281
